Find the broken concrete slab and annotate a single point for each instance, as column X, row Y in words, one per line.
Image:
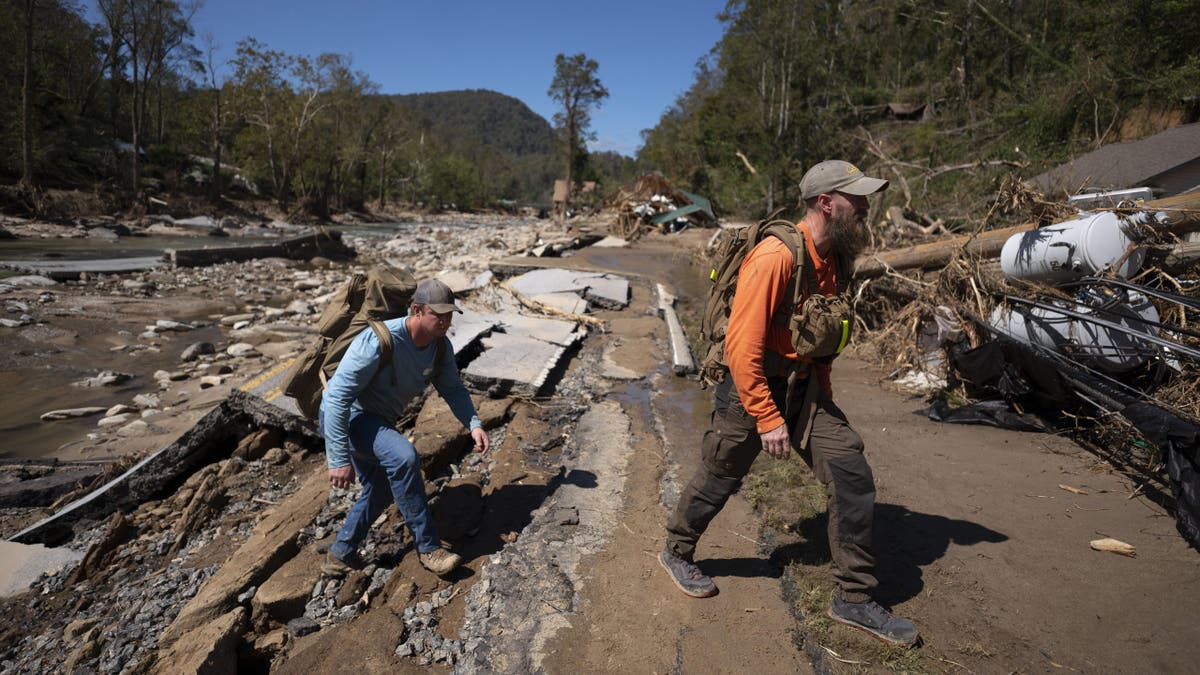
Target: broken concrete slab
column 564, row 301
column 22, row 564
column 209, row 439
column 70, row 270
column 469, row 326
column 554, row 331
column 606, row 290
column 458, row 282
column 515, row 364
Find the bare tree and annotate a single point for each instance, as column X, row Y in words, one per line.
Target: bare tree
column 27, row 102
column 216, row 121
column 150, row 31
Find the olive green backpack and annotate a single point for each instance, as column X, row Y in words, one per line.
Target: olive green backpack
column 821, row 329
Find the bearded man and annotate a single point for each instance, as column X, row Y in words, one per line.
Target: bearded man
column 757, row 407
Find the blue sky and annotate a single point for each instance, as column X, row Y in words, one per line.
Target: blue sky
column 646, row 50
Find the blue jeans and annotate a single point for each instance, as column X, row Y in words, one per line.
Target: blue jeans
column 388, row 468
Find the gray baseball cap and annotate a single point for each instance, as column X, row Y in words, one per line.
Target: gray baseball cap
column 436, row 295
column 834, row 175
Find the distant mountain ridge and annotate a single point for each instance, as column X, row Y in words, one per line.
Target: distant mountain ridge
column 487, row 117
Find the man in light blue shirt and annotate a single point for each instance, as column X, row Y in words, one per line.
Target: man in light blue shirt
column 359, row 409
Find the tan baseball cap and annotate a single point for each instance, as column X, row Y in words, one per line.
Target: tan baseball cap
column 436, row 295
column 834, row 175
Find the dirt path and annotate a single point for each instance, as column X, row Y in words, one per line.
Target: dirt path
column 632, row 619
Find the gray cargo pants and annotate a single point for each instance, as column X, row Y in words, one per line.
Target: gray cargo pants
column 834, row 453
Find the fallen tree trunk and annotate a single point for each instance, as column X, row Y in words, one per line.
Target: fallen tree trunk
column 1182, row 215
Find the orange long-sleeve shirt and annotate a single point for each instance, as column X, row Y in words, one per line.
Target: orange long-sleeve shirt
column 761, row 287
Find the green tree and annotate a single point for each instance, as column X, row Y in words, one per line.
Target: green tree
column 577, row 88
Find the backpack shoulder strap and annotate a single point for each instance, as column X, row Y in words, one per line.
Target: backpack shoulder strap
column 436, row 369
column 793, row 238
column 385, row 345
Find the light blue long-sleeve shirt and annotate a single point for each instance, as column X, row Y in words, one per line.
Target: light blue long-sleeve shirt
column 363, row 383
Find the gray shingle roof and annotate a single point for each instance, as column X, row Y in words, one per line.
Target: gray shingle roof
column 1121, row 165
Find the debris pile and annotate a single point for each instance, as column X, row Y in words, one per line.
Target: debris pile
column 652, row 200
column 1085, row 327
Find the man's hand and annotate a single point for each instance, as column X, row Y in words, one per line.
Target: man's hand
column 482, row 442
column 777, row 443
column 342, row 477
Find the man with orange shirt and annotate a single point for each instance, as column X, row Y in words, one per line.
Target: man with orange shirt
column 753, row 410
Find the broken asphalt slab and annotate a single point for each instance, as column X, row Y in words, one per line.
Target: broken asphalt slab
column 609, row 291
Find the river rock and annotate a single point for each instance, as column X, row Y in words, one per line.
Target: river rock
column 114, row 420
column 106, row 378
column 299, row 307
column 30, row 280
column 135, row 428
column 197, row 349
column 70, row 413
column 241, row 349
column 137, row 285
column 207, row 381
column 235, row 318
column 163, row 325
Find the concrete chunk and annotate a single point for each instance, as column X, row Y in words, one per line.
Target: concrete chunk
column 516, row 364
column 565, row 301
column 553, row 331
column 610, row 291
column 470, row 326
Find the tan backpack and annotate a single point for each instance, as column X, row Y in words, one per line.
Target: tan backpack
column 821, row 329
column 366, row 300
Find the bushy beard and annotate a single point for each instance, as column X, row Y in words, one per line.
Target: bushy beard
column 848, row 233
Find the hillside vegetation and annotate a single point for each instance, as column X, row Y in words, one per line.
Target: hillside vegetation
column 1000, row 86
column 987, row 90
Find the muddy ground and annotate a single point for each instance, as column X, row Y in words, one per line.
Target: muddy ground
column 982, row 536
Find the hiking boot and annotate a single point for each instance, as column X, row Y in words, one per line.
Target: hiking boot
column 871, row 617
column 440, row 561
column 687, row 576
column 339, row 567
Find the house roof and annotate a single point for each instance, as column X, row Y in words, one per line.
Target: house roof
column 1122, row 165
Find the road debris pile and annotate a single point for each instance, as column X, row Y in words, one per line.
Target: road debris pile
column 1086, row 325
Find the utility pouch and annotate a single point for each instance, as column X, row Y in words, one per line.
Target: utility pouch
column 822, row 327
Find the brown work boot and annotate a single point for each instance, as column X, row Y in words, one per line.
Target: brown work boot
column 440, row 561
column 338, row 567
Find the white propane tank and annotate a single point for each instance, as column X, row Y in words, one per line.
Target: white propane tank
column 1070, row 250
column 1100, row 347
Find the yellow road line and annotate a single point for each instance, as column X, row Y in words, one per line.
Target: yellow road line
column 283, row 365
